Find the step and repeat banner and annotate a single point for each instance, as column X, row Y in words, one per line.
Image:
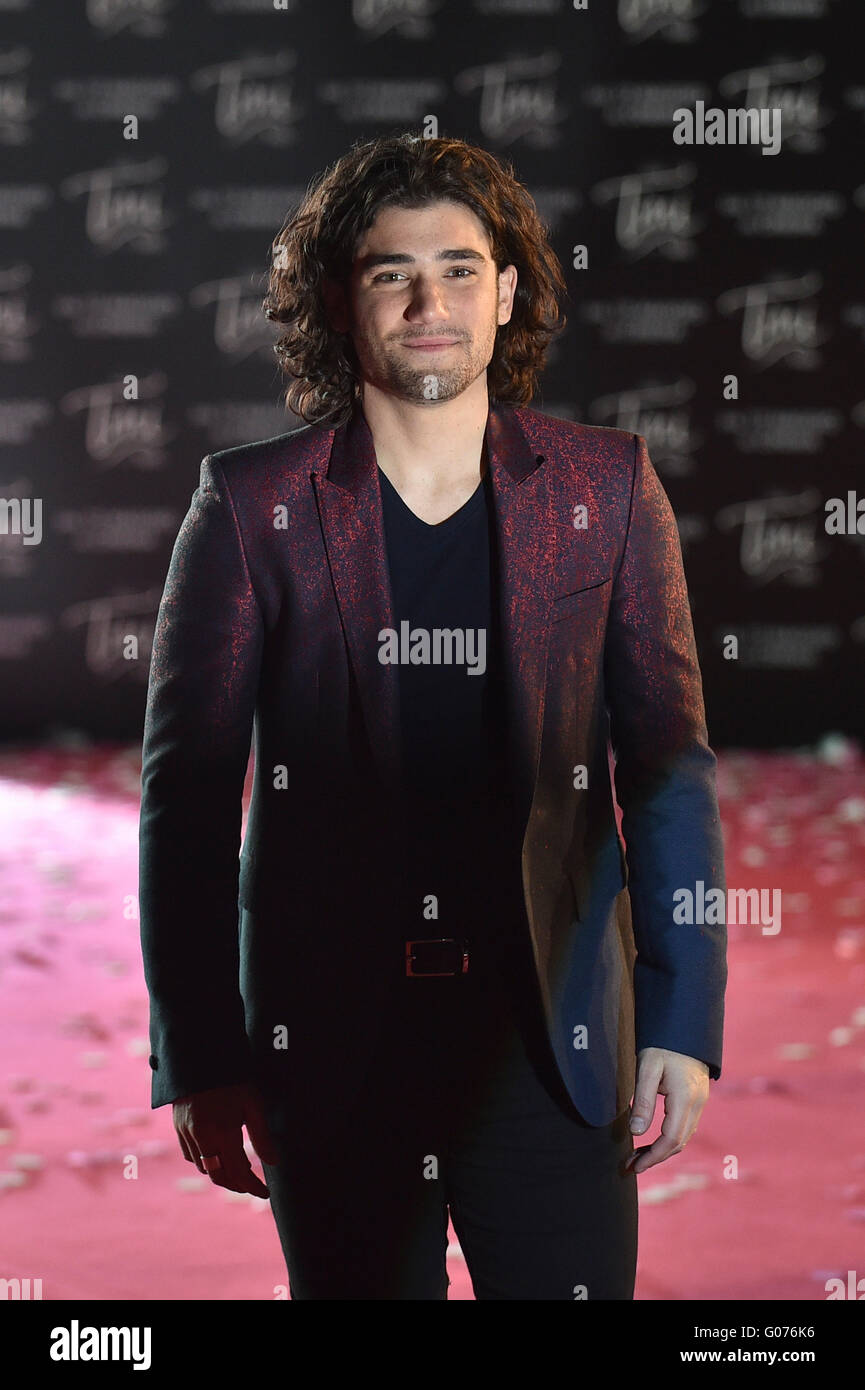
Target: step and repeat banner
column 700, row 167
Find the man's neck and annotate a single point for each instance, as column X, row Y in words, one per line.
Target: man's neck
column 431, row 452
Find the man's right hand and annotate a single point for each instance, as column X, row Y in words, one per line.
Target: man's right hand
column 209, row 1127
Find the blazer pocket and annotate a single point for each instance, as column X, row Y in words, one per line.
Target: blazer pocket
column 566, row 605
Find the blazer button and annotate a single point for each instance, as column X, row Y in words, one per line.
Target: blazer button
column 154, row 1062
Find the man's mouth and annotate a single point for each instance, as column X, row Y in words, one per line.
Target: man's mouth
column 430, row 344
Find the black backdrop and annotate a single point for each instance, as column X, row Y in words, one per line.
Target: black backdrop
column 132, row 269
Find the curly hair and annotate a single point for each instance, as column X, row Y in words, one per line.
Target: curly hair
column 318, row 241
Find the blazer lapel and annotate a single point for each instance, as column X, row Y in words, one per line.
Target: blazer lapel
column 526, row 536
column 349, row 503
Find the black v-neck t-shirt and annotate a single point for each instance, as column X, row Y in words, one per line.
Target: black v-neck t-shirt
column 452, row 722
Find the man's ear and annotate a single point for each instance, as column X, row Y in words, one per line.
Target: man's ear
column 335, row 304
column 507, row 288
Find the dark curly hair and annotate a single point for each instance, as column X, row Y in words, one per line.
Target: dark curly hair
column 319, row 239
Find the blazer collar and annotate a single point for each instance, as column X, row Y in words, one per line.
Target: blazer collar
column 352, row 461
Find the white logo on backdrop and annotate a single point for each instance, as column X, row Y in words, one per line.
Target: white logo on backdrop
column 667, row 19
column 252, row 101
column 118, row 430
column 779, row 536
column 17, row 324
column 790, row 86
column 107, row 623
column 656, row 413
column 411, row 17
column 146, row 18
column 239, row 328
column 517, row 98
column 779, row 320
column 124, row 205
column 654, row 211
column 16, row 109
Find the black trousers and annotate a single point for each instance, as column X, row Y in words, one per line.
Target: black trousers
column 462, row 1109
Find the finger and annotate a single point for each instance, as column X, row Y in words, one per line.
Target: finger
column 632, row 1162
column 670, row 1141
column 179, row 1116
column 664, row 1147
column 205, row 1142
column 259, row 1134
column 649, row 1075
column 235, row 1172
column 692, row 1122
column 194, row 1151
column 682, row 1114
column 184, row 1147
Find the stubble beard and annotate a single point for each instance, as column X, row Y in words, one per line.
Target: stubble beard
column 430, row 382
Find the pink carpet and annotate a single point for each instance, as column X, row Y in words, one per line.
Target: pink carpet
column 97, row 1202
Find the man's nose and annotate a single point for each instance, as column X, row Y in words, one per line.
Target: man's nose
column 427, row 302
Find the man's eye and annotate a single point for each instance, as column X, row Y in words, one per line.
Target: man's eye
column 466, row 270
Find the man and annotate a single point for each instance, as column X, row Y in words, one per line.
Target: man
column 438, row 609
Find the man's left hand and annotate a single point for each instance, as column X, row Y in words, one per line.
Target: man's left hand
column 684, row 1084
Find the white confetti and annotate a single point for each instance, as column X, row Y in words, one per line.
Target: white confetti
column 753, row 856
column 663, row 1192
column 92, row 1059
column 836, row 750
column 797, row 902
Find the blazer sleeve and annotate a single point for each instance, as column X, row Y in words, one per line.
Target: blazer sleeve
column 665, row 781
column 201, row 700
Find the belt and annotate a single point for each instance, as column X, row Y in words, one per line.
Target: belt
column 436, row 956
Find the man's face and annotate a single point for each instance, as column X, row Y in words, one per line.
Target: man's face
column 424, row 302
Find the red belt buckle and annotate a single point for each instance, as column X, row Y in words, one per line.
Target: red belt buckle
column 459, row 955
